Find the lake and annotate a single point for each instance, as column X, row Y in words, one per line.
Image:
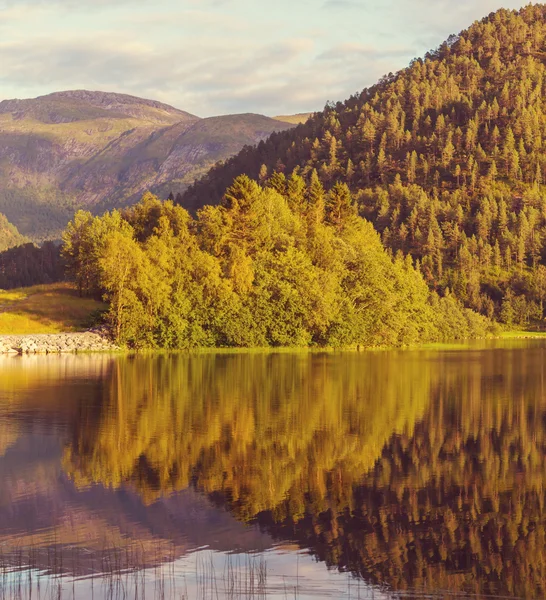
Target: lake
column 397, row 474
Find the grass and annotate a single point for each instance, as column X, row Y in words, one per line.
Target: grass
column 55, row 308
column 294, row 119
column 517, row 334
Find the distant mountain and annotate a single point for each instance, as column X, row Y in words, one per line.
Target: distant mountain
column 99, row 150
column 195, row 149
column 82, row 105
column 9, row 235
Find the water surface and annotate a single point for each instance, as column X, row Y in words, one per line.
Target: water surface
column 337, row 475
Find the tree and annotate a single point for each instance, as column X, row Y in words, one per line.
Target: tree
column 123, row 267
column 339, row 206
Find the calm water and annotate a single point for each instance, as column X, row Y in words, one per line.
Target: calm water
column 386, row 475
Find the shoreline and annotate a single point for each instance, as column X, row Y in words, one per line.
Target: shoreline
column 55, row 343
column 95, row 341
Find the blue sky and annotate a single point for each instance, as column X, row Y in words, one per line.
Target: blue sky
column 221, row 56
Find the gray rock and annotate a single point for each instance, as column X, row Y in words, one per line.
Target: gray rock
column 89, row 341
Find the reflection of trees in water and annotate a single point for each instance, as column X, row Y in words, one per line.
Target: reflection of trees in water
column 459, row 504
column 257, row 428
column 325, row 449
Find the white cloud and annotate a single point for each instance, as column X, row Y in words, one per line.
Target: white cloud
column 218, row 56
column 78, row 5
column 205, row 80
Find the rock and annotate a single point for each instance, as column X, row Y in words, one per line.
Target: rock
column 55, row 343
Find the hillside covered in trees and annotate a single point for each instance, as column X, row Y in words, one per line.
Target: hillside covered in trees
column 270, row 267
column 27, row 264
column 22, row 263
column 9, row 234
column 446, row 158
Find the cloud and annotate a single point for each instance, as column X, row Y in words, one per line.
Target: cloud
column 427, row 20
column 9, row 17
column 220, row 56
column 181, row 17
column 73, row 4
column 348, row 4
column 342, row 51
column 443, row 17
column 209, row 79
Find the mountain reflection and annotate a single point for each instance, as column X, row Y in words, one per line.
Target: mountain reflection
column 417, row 470
column 414, row 470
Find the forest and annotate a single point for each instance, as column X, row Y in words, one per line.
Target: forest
column 446, row 158
column 278, row 265
column 26, row 265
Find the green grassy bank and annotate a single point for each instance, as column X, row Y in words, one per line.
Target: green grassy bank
column 55, row 308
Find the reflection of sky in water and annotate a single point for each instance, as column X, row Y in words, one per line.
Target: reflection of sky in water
column 204, row 575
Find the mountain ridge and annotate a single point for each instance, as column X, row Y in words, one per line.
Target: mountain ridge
column 110, row 102
column 100, row 150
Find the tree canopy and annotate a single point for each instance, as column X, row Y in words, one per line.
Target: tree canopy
column 287, row 264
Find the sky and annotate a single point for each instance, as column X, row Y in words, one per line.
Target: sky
column 212, row 57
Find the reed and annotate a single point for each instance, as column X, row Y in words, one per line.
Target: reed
column 136, row 573
column 114, row 573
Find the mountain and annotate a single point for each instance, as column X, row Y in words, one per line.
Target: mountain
column 9, row 235
column 295, row 119
column 208, row 141
column 99, row 150
column 446, row 158
column 82, row 105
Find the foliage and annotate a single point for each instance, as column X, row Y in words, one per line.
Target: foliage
column 446, row 158
column 29, row 265
column 9, row 235
column 295, row 267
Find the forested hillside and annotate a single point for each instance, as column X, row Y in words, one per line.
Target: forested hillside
column 22, row 263
column 446, row 158
column 97, row 150
column 9, row 235
column 27, row 265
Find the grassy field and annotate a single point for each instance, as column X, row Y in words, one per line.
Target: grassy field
column 514, row 335
column 55, row 308
column 295, row 119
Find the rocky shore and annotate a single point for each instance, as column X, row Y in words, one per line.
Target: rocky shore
column 55, row 343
